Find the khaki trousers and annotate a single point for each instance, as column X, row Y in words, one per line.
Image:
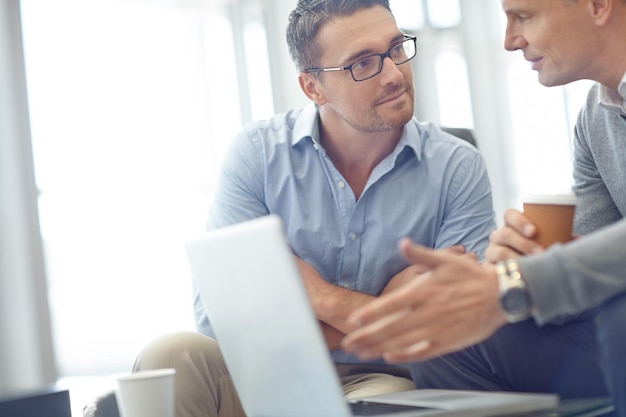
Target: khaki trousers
column 204, row 387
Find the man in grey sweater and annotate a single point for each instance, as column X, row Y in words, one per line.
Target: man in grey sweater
column 461, row 303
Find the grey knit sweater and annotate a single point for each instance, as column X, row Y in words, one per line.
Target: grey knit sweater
column 570, row 279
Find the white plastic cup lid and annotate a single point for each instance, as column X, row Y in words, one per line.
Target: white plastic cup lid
column 566, row 199
column 154, row 373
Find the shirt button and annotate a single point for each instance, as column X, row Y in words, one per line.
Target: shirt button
column 341, row 184
column 346, row 286
column 354, row 236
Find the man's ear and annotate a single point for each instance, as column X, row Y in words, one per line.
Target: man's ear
column 601, row 10
column 312, row 88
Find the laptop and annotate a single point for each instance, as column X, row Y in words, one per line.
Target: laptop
column 274, row 349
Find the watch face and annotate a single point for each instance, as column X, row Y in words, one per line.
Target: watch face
column 516, row 302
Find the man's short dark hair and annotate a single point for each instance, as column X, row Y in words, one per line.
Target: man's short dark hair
column 306, row 19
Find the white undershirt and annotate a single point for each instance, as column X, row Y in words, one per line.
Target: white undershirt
column 614, row 99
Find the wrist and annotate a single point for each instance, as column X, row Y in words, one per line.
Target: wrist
column 515, row 301
column 337, row 306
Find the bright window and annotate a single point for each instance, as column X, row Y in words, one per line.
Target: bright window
column 132, row 106
column 443, row 14
column 408, row 13
column 259, row 78
column 540, row 133
column 455, row 107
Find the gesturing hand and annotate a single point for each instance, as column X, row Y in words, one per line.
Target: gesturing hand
column 453, row 306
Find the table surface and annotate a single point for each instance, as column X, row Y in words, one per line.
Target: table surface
column 577, row 408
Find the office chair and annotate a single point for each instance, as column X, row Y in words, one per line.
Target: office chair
column 462, row 133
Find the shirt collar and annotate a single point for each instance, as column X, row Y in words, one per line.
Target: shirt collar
column 614, row 99
column 307, row 126
column 411, row 138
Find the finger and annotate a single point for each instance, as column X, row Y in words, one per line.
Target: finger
column 419, row 269
column 513, row 243
column 496, row 253
column 396, row 301
column 458, row 249
column 416, row 349
column 419, row 350
column 421, row 255
column 516, row 220
column 416, row 343
column 471, row 255
column 371, row 341
column 422, row 350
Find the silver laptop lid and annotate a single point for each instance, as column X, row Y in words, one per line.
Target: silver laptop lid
column 270, row 339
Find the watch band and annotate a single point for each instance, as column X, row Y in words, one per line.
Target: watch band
column 514, row 297
column 514, row 273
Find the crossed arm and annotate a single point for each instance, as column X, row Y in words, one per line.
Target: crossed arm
column 333, row 305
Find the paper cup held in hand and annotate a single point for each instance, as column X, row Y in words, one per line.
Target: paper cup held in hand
column 552, row 214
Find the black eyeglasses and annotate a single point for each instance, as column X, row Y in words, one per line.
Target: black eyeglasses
column 371, row 65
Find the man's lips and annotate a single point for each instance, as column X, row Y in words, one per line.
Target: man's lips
column 535, row 64
column 392, row 97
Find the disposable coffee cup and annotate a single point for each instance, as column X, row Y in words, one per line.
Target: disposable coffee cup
column 553, row 214
column 147, row 394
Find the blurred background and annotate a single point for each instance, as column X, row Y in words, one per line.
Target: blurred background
column 133, row 102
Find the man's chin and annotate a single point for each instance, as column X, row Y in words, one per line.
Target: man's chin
column 548, row 81
column 396, row 124
column 390, row 120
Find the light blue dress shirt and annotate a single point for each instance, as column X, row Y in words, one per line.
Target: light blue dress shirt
column 432, row 188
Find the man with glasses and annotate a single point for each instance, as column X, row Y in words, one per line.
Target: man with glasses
column 349, row 175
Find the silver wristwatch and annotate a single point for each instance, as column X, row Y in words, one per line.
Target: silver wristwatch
column 515, row 300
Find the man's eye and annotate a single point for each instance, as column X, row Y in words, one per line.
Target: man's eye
column 364, row 64
column 398, row 52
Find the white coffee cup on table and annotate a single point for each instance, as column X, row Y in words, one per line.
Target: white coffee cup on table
column 147, row 393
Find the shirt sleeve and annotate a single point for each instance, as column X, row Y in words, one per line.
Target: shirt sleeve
column 468, row 216
column 239, row 197
column 570, row 279
column 240, row 188
column 596, row 207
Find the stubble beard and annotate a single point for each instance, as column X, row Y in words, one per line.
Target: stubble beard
column 373, row 122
